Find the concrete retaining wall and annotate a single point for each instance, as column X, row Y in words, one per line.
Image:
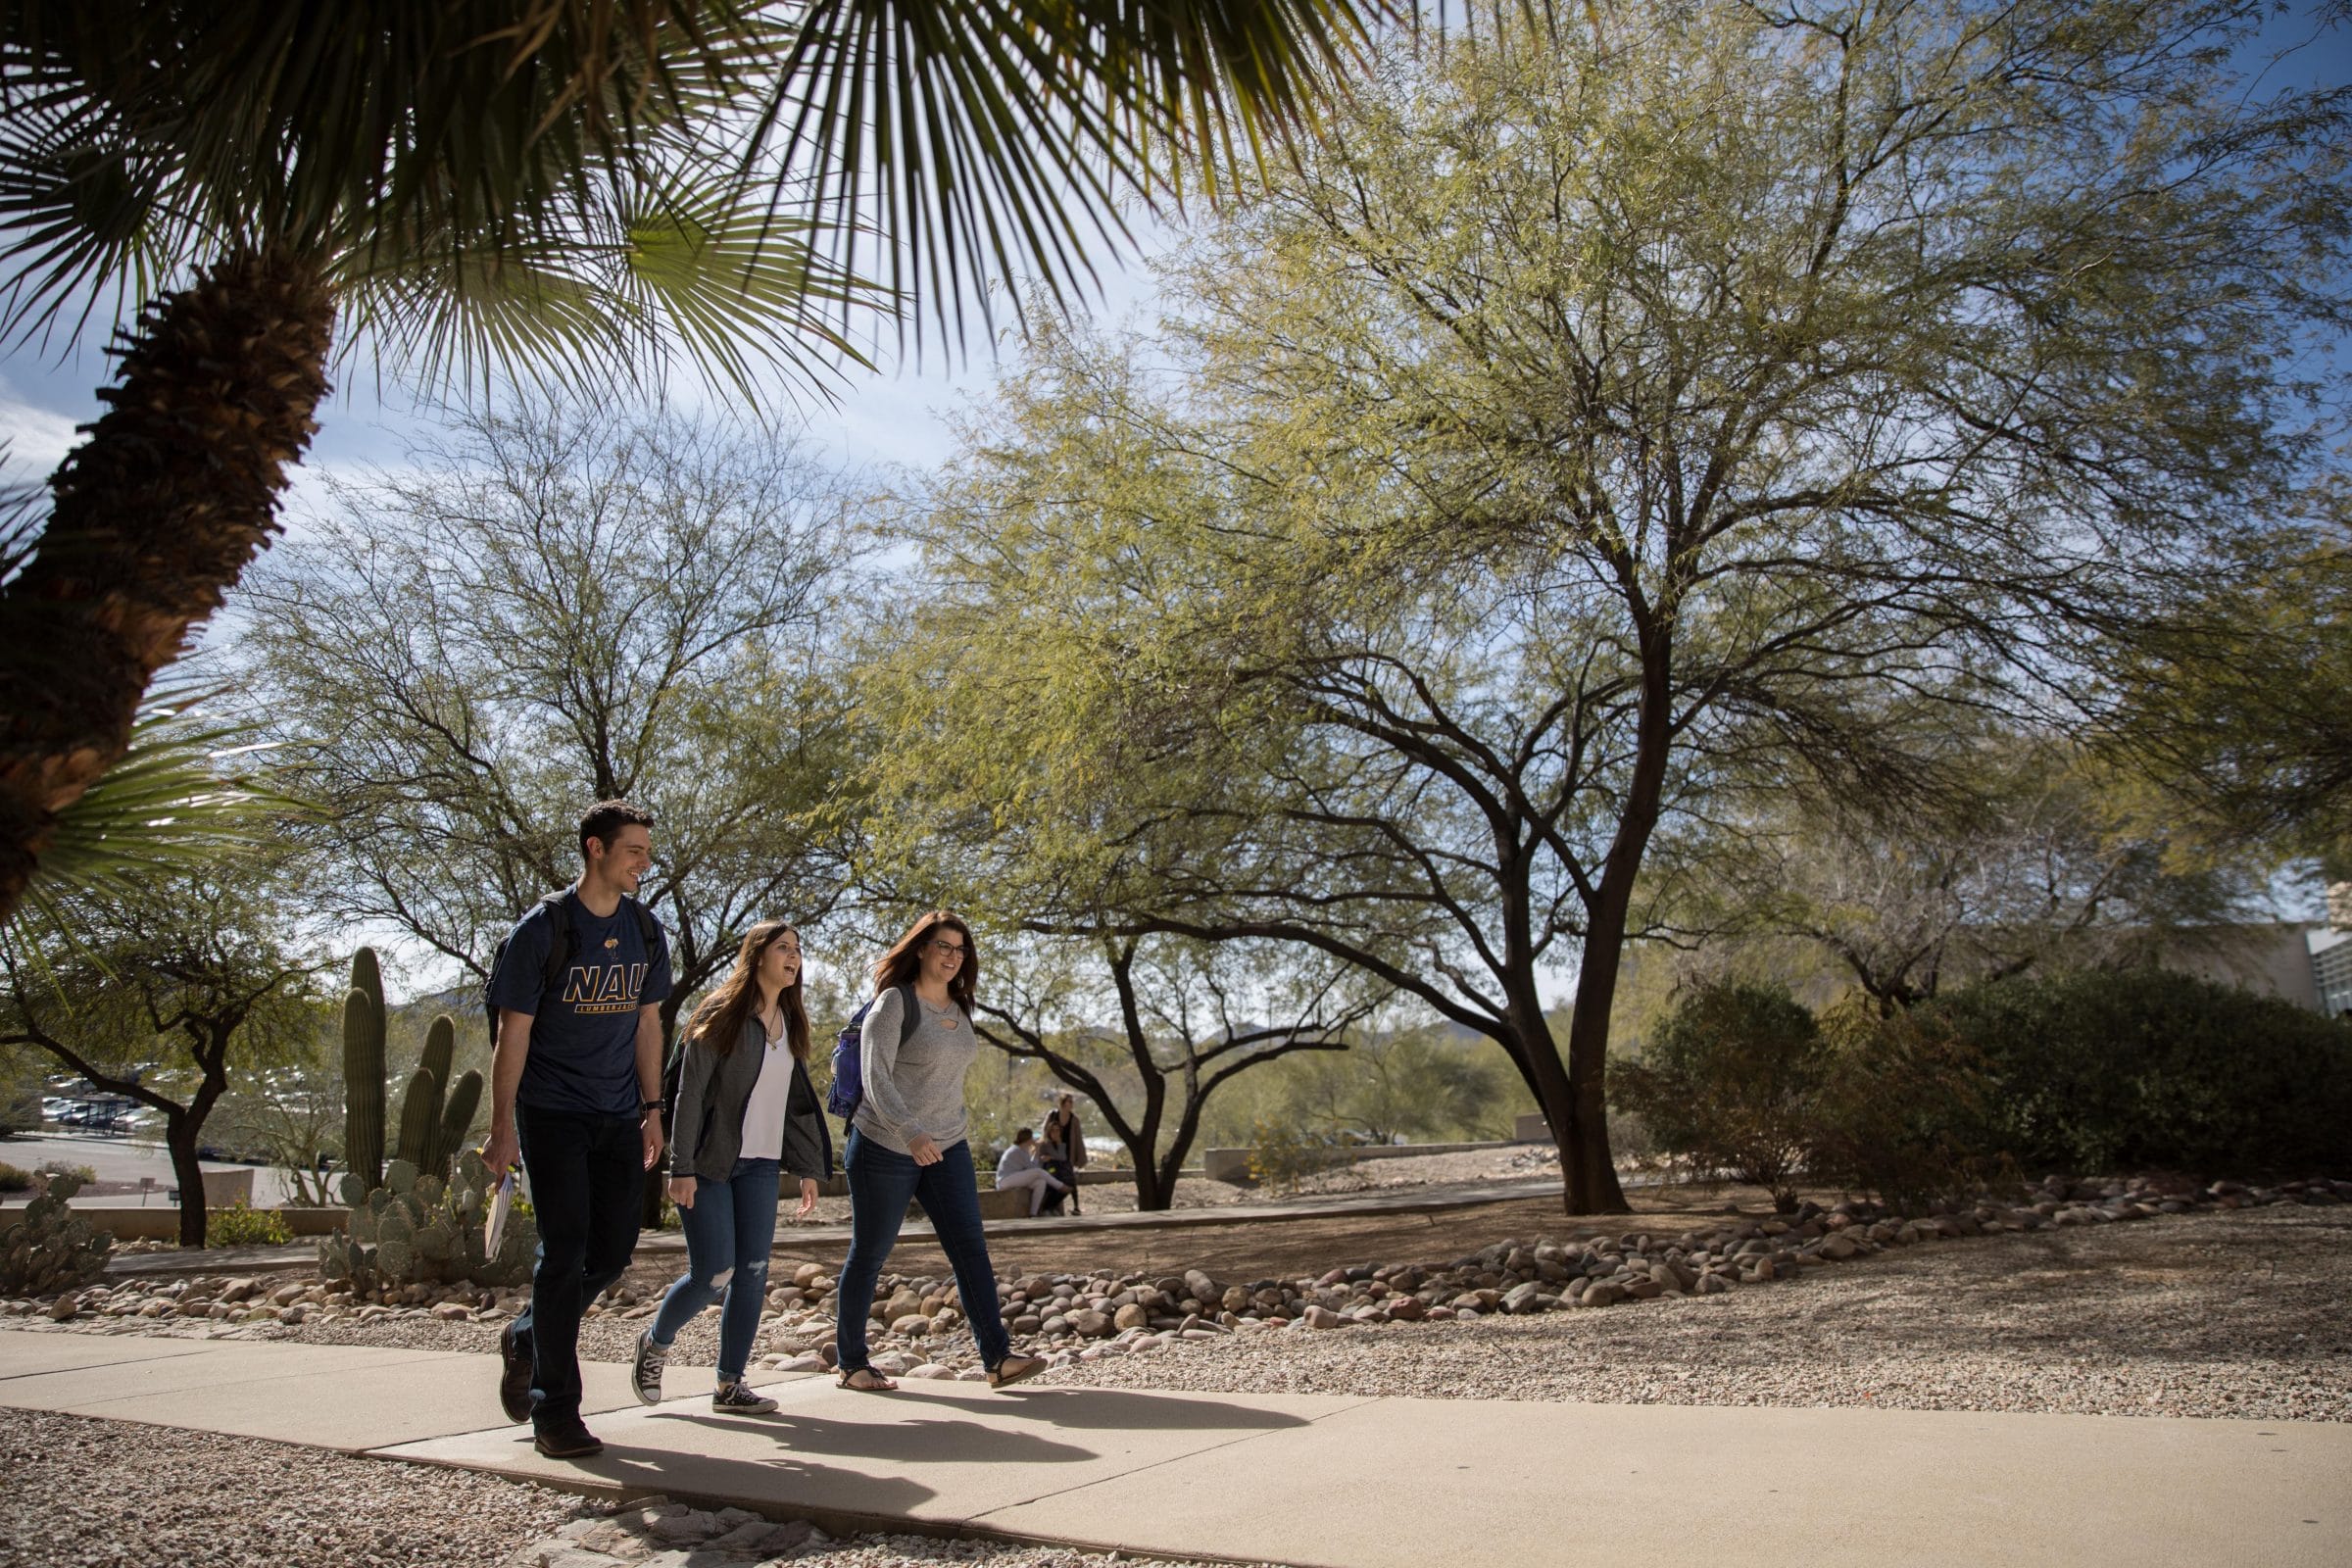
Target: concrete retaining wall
column 1233, row 1164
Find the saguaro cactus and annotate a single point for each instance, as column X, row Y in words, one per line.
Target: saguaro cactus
column 457, row 1118
column 420, row 1119
column 363, row 1071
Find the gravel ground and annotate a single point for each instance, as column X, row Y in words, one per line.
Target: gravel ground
column 2212, row 1315
column 85, row 1494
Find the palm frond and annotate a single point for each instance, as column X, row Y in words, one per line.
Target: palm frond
column 188, row 795
column 993, row 135
column 82, row 205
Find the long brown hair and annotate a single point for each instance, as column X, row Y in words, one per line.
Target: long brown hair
column 904, row 961
column 719, row 1023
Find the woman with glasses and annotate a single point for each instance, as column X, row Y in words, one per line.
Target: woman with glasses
column 745, row 1114
column 907, row 1143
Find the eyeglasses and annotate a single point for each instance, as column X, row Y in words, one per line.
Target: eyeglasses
column 945, row 946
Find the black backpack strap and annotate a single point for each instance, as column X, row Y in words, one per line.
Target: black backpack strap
column 562, row 945
column 910, row 1014
column 649, row 929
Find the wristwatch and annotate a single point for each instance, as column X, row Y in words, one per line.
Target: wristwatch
column 644, row 1105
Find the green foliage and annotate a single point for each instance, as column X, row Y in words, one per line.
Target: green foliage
column 1731, row 1080
column 2103, row 1070
column 2231, row 702
column 50, row 1249
column 1377, row 607
column 14, row 1179
column 242, row 1225
column 701, row 670
column 1281, row 1155
column 1408, row 1083
column 1905, row 1109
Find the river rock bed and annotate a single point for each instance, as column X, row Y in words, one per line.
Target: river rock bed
column 1080, row 1319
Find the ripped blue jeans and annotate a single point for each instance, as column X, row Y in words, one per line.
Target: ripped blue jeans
column 729, row 1233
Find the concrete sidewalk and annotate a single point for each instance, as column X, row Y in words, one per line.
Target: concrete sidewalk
column 1349, row 1482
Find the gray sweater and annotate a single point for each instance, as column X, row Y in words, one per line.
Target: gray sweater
column 917, row 1088
column 713, row 1091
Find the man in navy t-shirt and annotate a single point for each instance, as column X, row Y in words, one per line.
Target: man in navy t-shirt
column 575, row 1089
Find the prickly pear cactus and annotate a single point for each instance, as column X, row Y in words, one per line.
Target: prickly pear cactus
column 418, row 1229
column 50, row 1249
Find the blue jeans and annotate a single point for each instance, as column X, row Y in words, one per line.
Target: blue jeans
column 587, row 1183
column 882, row 1183
column 730, row 1230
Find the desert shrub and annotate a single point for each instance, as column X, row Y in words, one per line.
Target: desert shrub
column 14, row 1179
column 1281, row 1155
column 1905, row 1112
column 2121, row 1069
column 1729, row 1081
column 242, row 1225
column 80, row 1175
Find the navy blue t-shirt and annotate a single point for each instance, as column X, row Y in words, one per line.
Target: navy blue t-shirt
column 583, row 1053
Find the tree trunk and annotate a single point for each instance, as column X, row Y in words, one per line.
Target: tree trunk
column 155, row 517
column 1589, row 1171
column 1580, row 1124
column 180, row 1132
column 1152, row 1194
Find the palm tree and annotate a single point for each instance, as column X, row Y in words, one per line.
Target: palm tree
column 571, row 190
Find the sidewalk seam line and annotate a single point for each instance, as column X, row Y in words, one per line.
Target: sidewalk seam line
column 94, row 1366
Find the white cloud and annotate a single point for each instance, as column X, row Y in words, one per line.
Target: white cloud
column 37, row 439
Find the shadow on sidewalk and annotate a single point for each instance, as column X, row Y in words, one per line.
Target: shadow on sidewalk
column 925, row 1438
column 1119, row 1411
column 782, row 1480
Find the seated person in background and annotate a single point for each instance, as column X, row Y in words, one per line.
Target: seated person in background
column 1020, row 1167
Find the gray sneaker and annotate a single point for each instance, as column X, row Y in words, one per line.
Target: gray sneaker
column 737, row 1398
column 645, row 1372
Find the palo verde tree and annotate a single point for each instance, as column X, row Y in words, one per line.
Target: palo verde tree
column 164, row 993
column 559, row 607
column 1608, row 429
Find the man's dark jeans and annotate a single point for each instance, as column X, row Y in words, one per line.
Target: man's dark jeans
column 882, row 1182
column 587, row 1188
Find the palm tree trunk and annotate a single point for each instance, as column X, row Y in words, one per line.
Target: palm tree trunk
column 155, row 516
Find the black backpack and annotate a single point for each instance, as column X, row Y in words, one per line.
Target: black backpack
column 561, row 949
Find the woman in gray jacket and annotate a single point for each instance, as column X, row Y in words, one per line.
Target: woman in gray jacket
column 745, row 1114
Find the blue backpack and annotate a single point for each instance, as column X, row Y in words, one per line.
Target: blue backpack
column 849, row 1052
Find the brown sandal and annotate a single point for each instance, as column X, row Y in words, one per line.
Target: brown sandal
column 1014, row 1369
column 875, row 1382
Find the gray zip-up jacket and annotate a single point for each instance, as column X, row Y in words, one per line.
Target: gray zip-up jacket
column 713, row 1091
